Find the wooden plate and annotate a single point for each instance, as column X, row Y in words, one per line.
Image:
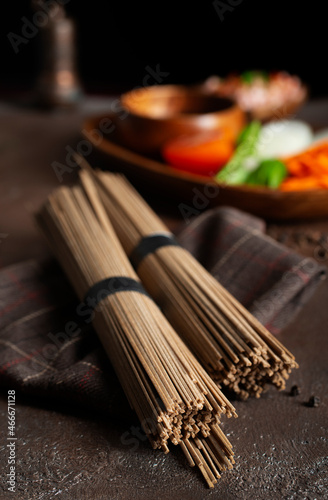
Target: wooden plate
column 194, row 193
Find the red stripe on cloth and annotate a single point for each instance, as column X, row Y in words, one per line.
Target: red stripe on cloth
column 272, row 328
column 16, row 361
column 10, row 307
column 199, row 237
column 86, row 377
column 304, row 277
column 255, row 258
column 223, row 234
column 15, row 280
column 265, row 275
column 23, row 288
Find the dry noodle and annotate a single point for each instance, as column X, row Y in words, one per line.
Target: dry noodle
column 232, row 345
column 174, row 397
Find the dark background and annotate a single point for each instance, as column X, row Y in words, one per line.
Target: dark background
column 117, row 40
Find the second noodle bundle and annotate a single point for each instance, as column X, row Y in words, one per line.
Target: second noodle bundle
column 233, row 346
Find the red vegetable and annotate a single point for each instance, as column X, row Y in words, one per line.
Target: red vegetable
column 202, row 154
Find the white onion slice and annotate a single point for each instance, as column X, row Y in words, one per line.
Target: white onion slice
column 284, row 138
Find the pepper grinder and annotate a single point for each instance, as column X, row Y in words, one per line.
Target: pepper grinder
column 58, row 84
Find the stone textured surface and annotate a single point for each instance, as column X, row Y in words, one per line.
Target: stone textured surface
column 281, row 444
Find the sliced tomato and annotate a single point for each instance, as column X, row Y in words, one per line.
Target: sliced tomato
column 202, row 154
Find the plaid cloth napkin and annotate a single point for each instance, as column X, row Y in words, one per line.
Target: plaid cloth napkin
column 48, row 350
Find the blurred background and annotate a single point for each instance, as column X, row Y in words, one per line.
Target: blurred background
column 116, row 41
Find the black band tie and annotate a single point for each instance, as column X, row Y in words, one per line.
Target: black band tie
column 109, row 286
column 149, row 244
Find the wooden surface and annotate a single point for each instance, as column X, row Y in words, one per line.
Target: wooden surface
column 280, row 442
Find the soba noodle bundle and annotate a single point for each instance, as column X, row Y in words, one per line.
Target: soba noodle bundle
column 232, row 345
column 174, row 397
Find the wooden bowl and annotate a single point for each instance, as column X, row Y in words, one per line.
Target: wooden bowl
column 193, row 193
column 153, row 115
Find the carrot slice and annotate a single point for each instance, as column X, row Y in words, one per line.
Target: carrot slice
column 307, row 170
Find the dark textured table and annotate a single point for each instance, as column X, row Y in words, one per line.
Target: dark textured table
column 280, row 441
